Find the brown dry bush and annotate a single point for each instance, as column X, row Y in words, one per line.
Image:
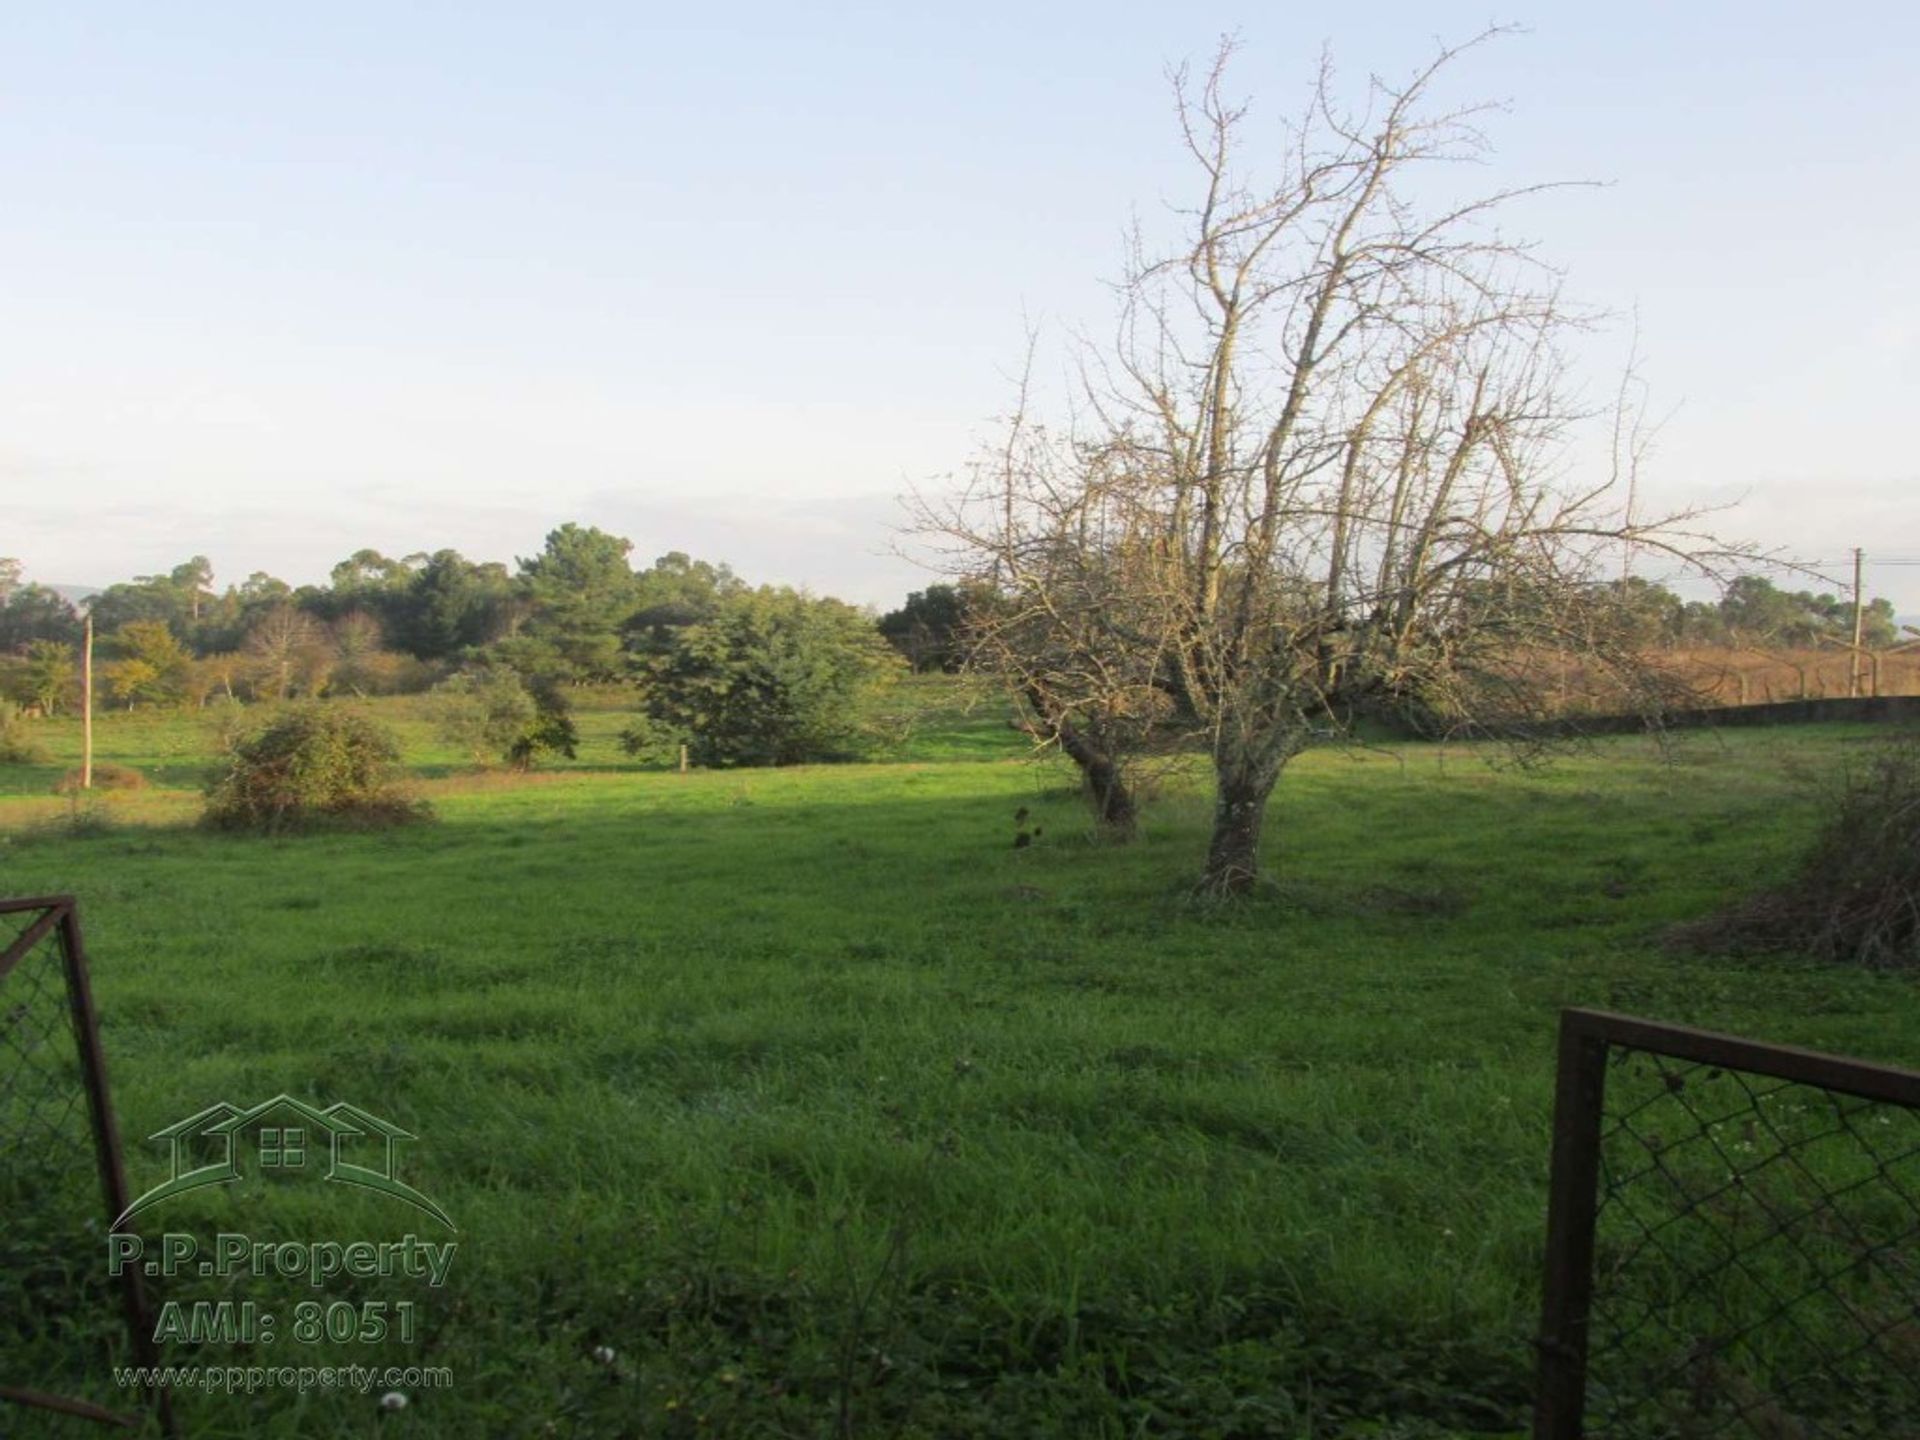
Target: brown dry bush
column 106, row 776
column 1855, row 897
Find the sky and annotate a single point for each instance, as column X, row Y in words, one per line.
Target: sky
column 280, row 282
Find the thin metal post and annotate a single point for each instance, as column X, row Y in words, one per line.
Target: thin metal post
column 106, row 1143
column 1572, row 1206
column 1853, row 655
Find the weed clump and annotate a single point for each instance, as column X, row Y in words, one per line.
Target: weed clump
column 1855, row 897
column 88, row 817
column 312, row 766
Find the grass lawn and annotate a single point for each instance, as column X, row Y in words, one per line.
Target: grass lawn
column 827, row 1110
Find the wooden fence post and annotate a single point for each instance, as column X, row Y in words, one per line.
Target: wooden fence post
column 86, row 708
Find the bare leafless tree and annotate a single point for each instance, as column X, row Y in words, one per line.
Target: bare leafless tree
column 290, row 651
column 1044, row 606
column 1321, row 470
column 357, row 650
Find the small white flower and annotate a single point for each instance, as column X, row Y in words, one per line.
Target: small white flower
column 393, row 1400
column 604, row 1354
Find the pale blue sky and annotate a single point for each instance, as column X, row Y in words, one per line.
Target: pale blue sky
column 277, row 282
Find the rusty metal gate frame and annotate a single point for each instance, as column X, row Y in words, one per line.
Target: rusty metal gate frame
column 1586, row 1036
column 59, row 915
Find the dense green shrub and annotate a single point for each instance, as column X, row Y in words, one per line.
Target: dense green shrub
column 493, row 714
column 653, row 743
column 929, row 629
column 482, row 711
column 772, row 677
column 551, row 732
column 317, row 763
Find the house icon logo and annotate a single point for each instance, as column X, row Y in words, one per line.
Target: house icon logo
column 284, row 1136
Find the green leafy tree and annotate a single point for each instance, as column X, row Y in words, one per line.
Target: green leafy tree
column 368, row 583
column 194, row 582
column 128, row 601
column 552, row 730
column 130, row 679
column 369, row 573
column 35, row 612
column 224, row 620
column 653, row 743
column 1701, row 623
column 452, row 605
column 674, row 592
column 580, row 593
column 774, row 677
column 1879, row 626
column 48, row 675
column 483, row 712
column 151, row 664
column 927, row 629
column 493, row 714
column 261, row 591
column 1753, row 610
column 178, row 598
column 1649, row 613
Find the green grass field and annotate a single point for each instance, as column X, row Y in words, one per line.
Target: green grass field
column 829, row 1111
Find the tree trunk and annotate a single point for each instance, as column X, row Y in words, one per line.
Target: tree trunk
column 1243, row 786
column 1114, row 808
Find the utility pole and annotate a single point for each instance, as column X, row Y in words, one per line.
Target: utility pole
column 86, row 708
column 1853, row 655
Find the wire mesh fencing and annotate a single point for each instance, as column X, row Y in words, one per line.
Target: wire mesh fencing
column 1734, row 1241
column 64, row 1323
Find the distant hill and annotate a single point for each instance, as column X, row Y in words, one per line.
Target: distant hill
column 75, row 594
